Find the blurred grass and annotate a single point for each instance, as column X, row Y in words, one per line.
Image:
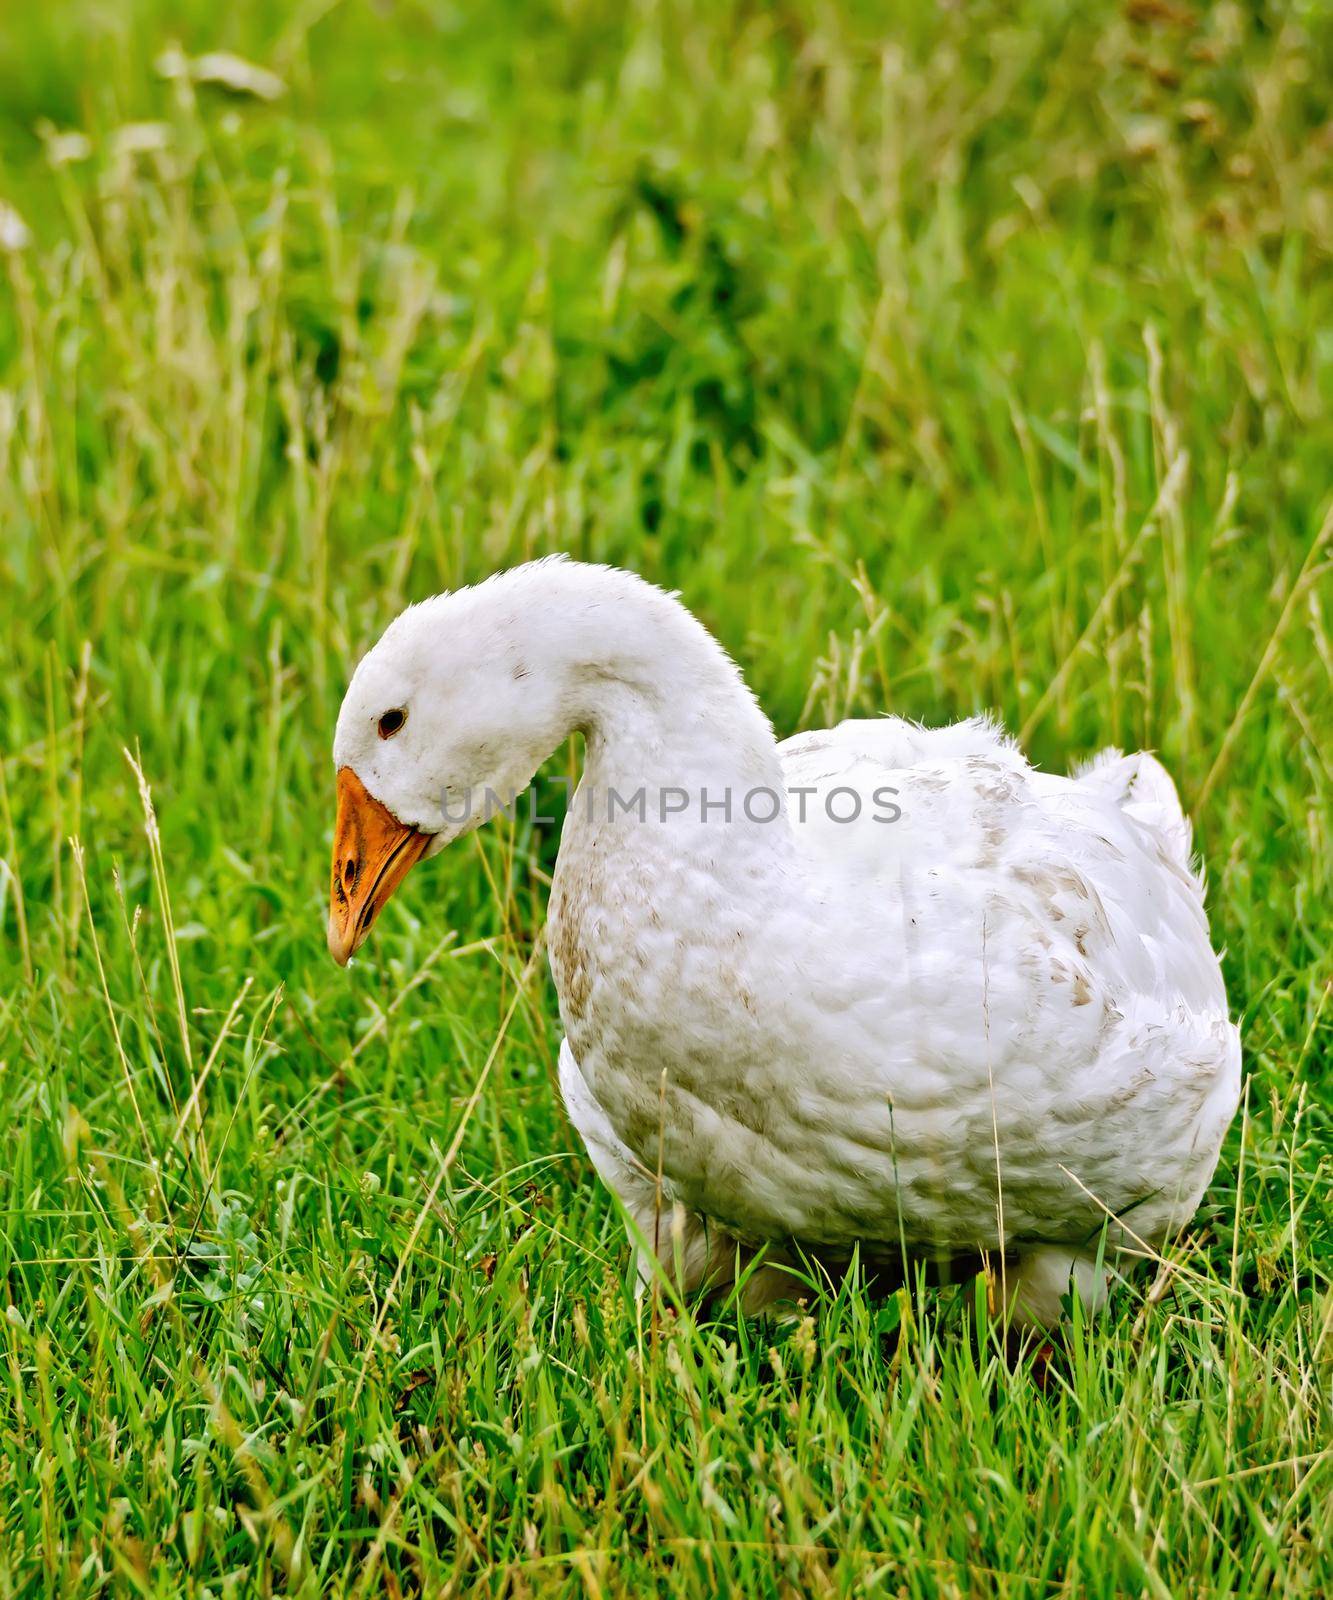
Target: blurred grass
column 945, row 358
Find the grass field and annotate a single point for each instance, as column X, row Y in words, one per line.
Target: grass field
column 946, row 358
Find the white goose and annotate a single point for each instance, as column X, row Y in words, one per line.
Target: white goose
column 984, row 1015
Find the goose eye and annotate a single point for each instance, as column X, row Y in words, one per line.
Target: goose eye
column 390, row 723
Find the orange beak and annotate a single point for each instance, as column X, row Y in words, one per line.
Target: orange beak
column 372, row 854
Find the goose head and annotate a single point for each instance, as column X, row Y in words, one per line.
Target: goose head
column 455, row 705
column 466, row 695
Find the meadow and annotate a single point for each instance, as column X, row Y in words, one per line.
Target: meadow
column 946, row 358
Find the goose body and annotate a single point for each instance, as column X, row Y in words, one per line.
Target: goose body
column 877, row 988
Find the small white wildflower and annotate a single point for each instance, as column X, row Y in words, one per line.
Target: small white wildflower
column 14, row 231
column 242, row 77
column 222, row 68
column 141, row 138
column 67, row 147
column 172, row 63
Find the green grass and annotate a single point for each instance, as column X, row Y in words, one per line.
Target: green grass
column 945, row 358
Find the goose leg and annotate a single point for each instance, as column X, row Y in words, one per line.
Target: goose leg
column 688, row 1252
column 1037, row 1279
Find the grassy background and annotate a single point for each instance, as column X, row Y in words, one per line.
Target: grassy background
column 946, row 358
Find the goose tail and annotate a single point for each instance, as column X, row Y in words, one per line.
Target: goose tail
column 1141, row 786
